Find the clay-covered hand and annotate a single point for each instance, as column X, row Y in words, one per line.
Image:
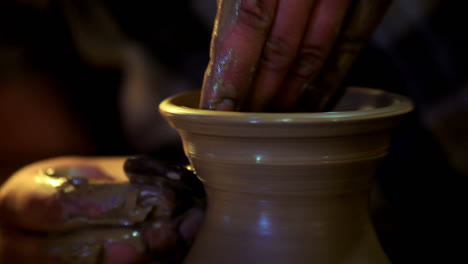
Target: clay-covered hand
column 99, row 210
column 285, row 55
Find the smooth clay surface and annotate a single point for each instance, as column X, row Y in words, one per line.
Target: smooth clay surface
column 288, row 187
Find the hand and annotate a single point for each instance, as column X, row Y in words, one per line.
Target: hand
column 267, row 54
column 88, row 210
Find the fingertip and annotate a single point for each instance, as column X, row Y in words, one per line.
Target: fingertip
column 160, row 236
column 223, row 104
column 120, row 253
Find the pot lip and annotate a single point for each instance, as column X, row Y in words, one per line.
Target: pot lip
column 399, row 105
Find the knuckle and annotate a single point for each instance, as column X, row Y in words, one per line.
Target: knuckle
column 309, row 61
column 277, row 54
column 254, row 16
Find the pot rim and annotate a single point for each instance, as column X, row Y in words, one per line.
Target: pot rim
column 398, row 105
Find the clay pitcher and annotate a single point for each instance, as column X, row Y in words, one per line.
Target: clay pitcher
column 288, row 187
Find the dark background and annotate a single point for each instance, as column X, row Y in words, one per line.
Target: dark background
column 54, row 100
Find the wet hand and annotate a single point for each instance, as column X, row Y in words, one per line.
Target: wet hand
column 91, row 210
column 285, row 55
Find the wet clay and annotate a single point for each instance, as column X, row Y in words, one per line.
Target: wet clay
column 141, row 213
column 215, row 74
column 219, row 84
column 87, row 246
column 94, row 202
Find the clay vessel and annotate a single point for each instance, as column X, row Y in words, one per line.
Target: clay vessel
column 288, row 187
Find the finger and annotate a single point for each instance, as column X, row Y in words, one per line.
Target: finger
column 30, row 199
column 21, row 247
column 191, row 223
column 31, row 209
column 150, row 171
column 366, row 15
column 44, row 203
column 160, row 236
column 280, row 50
column 120, row 253
column 323, row 27
column 240, row 31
